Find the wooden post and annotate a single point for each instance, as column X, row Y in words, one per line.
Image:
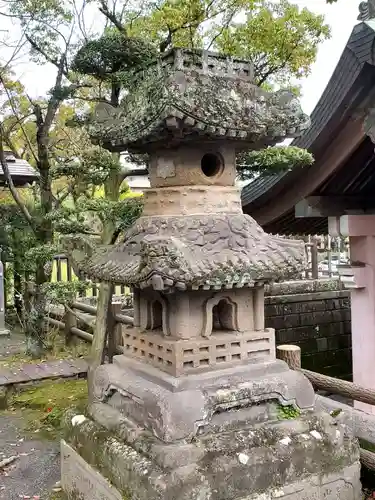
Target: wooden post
column 58, row 269
column 70, row 321
column 26, row 298
column 367, row 459
column 114, row 331
column 291, row 354
column 314, row 259
column 100, row 335
column 17, row 285
column 306, row 241
column 68, row 270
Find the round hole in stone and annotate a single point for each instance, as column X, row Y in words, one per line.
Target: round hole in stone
column 211, row 165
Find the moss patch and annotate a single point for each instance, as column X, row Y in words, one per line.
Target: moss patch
column 42, row 407
column 57, row 496
column 287, row 412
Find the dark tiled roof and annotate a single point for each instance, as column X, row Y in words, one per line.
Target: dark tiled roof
column 20, row 170
column 258, row 186
column 351, row 83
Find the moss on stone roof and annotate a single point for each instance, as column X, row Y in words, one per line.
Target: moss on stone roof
column 175, row 102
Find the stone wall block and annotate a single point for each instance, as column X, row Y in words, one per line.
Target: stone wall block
column 314, row 315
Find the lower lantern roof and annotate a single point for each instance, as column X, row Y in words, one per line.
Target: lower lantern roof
column 211, row 251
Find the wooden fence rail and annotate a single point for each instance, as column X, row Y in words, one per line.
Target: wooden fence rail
column 292, row 356
column 359, row 420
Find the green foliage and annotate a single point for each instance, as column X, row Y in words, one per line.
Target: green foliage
column 180, row 23
column 41, row 254
column 91, row 168
column 271, row 161
column 287, row 412
column 46, row 23
column 112, row 54
column 279, row 38
column 122, row 214
column 65, row 292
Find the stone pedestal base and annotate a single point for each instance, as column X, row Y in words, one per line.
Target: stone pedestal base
column 310, row 457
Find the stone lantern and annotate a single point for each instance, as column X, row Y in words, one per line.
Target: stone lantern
column 193, row 404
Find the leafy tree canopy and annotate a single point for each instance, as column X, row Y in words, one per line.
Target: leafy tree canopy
column 111, row 54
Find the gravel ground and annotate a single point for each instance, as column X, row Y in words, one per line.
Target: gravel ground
column 37, row 467
column 14, row 344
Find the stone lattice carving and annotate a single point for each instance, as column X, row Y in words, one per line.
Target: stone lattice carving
column 193, row 356
column 191, row 252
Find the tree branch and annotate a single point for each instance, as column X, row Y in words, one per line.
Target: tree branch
column 111, row 16
column 36, row 47
column 54, row 101
column 63, row 197
column 13, row 190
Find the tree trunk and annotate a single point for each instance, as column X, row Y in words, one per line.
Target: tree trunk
column 103, row 328
column 17, row 270
column 104, row 304
column 35, row 324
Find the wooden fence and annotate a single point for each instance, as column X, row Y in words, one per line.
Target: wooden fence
column 62, row 271
column 363, row 424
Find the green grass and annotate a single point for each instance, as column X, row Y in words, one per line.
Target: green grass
column 57, row 496
column 42, row 407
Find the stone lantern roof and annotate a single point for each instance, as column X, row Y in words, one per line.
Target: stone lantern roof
column 194, row 96
column 192, row 111
column 206, row 252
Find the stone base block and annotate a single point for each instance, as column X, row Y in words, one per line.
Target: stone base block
column 4, row 332
column 80, row 480
column 309, row 458
column 174, row 409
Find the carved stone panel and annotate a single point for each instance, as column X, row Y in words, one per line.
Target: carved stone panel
column 165, row 168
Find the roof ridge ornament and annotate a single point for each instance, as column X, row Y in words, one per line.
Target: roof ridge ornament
column 366, row 11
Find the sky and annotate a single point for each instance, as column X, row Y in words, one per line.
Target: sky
column 341, row 16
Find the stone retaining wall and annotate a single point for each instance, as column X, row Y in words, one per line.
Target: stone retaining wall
column 316, row 316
